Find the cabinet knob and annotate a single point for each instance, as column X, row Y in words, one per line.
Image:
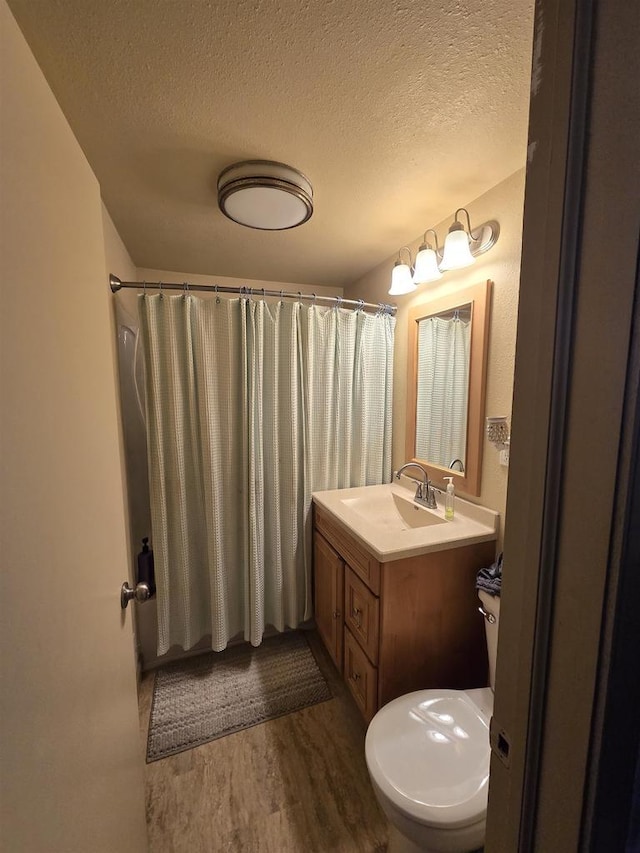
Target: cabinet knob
column 336, row 614
column 357, row 613
column 355, row 676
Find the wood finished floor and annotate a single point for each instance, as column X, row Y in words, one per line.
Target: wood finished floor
column 298, row 784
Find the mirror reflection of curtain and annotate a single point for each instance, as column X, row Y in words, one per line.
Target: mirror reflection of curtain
column 250, row 407
column 442, row 392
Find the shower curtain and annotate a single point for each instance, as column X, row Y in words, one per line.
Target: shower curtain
column 251, row 406
column 442, row 394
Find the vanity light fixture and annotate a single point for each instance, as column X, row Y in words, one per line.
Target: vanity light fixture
column 457, row 253
column 426, row 268
column 264, row 194
column 461, row 248
column 401, row 281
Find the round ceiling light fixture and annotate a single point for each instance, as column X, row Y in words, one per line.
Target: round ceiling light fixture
column 264, row 194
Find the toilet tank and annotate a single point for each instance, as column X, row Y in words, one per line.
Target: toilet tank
column 491, row 604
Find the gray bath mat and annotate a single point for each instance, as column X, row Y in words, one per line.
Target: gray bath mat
column 215, row 694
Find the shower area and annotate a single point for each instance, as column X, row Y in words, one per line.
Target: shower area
column 237, row 405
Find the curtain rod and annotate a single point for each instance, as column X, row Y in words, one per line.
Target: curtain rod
column 116, row 284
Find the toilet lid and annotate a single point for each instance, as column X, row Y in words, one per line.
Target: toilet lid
column 429, row 754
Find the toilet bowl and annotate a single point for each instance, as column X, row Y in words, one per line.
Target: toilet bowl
column 428, row 758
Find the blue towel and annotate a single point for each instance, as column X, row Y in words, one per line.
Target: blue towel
column 490, row 580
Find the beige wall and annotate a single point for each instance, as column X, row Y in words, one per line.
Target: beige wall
column 502, row 265
column 117, row 257
column 71, row 755
column 229, row 281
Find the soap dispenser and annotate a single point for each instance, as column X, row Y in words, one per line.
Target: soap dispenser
column 449, row 499
column 146, row 570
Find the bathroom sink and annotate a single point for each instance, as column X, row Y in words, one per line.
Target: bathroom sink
column 391, row 526
column 392, row 511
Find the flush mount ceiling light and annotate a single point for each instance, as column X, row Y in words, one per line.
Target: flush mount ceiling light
column 460, row 250
column 264, row 194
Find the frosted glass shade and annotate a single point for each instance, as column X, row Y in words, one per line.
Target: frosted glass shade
column 426, row 268
column 265, row 195
column 265, row 208
column 456, row 251
column 401, row 281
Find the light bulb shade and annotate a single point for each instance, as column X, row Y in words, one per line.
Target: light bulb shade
column 456, row 253
column 265, row 195
column 401, row 281
column 426, row 268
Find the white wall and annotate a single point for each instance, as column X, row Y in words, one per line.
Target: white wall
column 71, row 755
column 502, row 265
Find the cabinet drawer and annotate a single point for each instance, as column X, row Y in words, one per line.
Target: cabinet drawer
column 362, row 563
column 361, row 614
column 361, row 676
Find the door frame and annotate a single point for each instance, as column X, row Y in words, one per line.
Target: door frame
column 568, row 502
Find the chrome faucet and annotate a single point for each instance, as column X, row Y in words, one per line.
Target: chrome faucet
column 456, row 462
column 425, row 493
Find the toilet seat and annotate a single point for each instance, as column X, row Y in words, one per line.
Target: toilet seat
column 428, row 752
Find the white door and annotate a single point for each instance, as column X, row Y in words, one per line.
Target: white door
column 72, row 765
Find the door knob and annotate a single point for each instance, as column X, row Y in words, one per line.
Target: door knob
column 141, row 593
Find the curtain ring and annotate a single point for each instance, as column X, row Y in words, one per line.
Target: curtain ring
column 314, row 299
column 300, row 297
column 263, row 293
column 144, row 288
column 338, row 302
column 282, row 296
column 360, row 305
column 160, row 288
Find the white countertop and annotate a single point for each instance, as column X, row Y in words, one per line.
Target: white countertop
column 387, row 522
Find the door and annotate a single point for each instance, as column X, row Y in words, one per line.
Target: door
column 72, row 765
column 328, row 569
column 571, row 464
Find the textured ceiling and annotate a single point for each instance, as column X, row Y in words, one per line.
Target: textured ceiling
column 397, row 111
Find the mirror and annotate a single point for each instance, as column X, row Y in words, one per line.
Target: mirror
column 447, row 356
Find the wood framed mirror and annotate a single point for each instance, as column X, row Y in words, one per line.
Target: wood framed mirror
column 447, row 360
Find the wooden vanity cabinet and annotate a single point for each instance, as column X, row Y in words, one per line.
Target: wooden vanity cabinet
column 394, row 627
column 328, row 587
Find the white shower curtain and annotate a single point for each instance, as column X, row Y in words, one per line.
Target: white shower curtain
column 250, row 407
column 443, row 388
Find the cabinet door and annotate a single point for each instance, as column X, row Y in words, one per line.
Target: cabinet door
column 361, row 676
column 328, row 569
column 361, row 614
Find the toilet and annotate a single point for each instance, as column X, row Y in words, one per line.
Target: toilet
column 428, row 758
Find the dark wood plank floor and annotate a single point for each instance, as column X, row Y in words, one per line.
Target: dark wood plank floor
column 298, row 784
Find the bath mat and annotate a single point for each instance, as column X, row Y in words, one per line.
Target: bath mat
column 216, row 694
